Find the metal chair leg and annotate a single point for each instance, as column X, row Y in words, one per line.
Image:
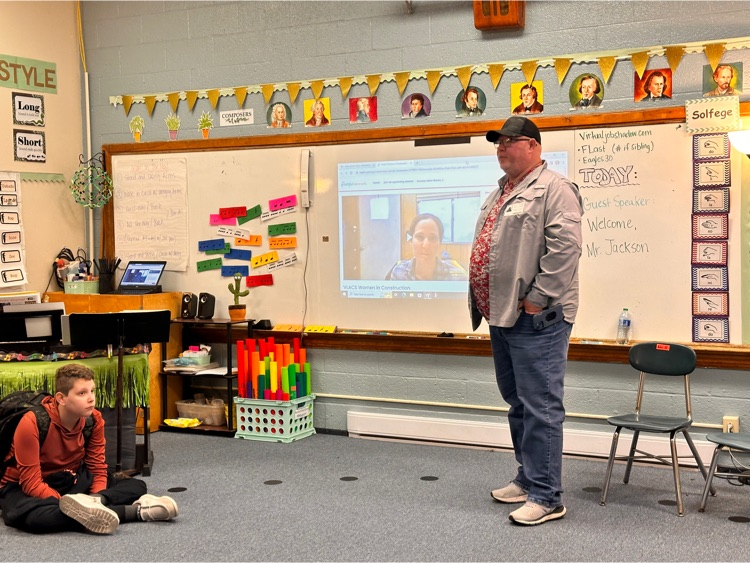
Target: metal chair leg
column 710, row 478
column 697, row 457
column 610, row 464
column 676, row 473
column 631, row 454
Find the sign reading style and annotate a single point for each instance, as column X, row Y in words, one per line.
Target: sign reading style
column 28, row 74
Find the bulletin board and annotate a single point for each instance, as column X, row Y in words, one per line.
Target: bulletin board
column 636, row 182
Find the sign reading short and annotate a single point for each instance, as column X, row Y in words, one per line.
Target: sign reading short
column 29, row 146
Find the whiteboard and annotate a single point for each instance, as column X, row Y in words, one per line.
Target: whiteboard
column 636, row 183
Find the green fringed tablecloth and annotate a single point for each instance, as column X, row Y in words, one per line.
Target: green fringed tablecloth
column 15, row 376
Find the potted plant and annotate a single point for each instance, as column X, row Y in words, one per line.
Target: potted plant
column 173, row 124
column 237, row 311
column 136, row 127
column 205, row 123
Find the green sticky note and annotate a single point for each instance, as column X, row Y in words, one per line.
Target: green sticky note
column 205, row 265
column 282, row 229
column 225, row 250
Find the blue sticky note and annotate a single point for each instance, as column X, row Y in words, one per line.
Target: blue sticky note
column 229, row 271
column 214, row 244
column 237, row 254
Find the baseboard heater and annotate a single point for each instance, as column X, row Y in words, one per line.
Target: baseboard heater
column 495, row 435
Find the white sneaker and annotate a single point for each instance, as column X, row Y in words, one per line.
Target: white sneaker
column 531, row 514
column 510, row 494
column 155, row 508
column 90, row 513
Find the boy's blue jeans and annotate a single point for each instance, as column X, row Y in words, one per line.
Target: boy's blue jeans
column 530, row 371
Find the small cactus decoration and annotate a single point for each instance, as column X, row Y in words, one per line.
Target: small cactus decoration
column 234, row 289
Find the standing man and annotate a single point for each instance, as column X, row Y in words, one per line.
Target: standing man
column 524, row 261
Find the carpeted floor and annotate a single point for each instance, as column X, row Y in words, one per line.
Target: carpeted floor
column 334, row 498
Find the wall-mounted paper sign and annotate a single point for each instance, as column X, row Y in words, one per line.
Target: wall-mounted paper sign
column 29, row 146
column 236, row 117
column 28, row 109
column 710, row 115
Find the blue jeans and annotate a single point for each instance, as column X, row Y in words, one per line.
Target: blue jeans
column 530, row 371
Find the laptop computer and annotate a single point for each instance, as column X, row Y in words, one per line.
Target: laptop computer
column 141, row 277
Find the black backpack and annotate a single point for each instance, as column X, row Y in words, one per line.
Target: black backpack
column 12, row 409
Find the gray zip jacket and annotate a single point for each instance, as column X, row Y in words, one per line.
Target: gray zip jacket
column 535, row 248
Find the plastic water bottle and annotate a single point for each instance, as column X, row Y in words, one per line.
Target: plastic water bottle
column 623, row 327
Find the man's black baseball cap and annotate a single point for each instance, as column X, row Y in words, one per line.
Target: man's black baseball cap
column 516, row 126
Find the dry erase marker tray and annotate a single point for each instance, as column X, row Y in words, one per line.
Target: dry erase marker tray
column 274, row 421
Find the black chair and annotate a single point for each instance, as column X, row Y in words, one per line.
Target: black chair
column 658, row 359
column 731, row 461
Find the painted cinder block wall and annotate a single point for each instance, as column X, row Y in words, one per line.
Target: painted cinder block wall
column 146, row 47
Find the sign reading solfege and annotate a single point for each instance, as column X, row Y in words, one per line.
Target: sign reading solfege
column 712, row 115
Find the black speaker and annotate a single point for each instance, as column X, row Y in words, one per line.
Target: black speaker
column 206, row 303
column 189, row 305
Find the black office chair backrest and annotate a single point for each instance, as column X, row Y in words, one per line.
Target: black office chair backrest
column 663, row 358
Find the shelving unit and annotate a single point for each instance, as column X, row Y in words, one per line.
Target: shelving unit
column 188, row 326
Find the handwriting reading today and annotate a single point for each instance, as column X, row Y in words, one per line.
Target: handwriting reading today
column 617, row 187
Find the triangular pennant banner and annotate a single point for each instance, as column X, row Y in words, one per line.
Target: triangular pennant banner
column 240, row 93
column 174, row 100
column 607, row 65
column 345, row 83
column 464, row 76
column 714, row 51
column 317, row 88
column 191, row 96
column 496, row 71
column 529, row 70
column 674, row 56
column 402, row 79
column 293, row 89
column 127, row 101
column 640, row 61
column 213, row 97
column 150, row 104
column 267, row 90
column 433, row 77
column 373, row 81
column 562, row 66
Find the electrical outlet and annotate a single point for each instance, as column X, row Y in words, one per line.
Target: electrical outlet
column 731, row 424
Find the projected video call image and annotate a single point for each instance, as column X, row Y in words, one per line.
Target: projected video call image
column 406, row 227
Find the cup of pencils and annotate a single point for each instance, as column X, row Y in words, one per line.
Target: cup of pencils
column 107, row 267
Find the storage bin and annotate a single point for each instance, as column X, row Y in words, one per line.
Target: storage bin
column 210, row 414
column 82, row 287
column 274, row 421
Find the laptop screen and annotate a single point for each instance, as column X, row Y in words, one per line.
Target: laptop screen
column 142, row 274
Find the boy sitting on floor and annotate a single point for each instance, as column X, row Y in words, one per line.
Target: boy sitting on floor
column 64, row 485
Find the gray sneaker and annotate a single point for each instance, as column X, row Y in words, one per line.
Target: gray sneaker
column 531, row 514
column 90, row 513
column 510, row 494
column 154, row 509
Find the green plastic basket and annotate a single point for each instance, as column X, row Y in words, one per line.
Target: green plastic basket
column 274, row 421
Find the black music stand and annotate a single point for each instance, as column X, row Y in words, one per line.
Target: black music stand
column 120, row 330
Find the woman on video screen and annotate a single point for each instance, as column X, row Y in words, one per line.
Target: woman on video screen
column 425, row 236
